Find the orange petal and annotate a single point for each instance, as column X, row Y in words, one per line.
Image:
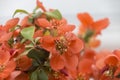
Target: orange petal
column 11, row 23
column 38, row 33
column 100, row 63
column 94, row 43
column 85, row 66
column 40, row 5
column 24, row 63
column 101, row 24
column 89, row 54
column 111, row 60
column 4, row 57
column 71, row 62
column 43, row 23
column 47, row 42
column 76, row 46
column 57, row 62
column 82, row 30
column 66, row 28
column 6, row 37
column 85, row 19
column 102, row 54
column 25, row 22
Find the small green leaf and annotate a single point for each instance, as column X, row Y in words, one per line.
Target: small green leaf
column 35, row 9
column 46, row 32
column 88, row 35
column 54, row 14
column 20, row 11
column 30, row 19
column 28, row 32
column 35, row 15
column 42, row 75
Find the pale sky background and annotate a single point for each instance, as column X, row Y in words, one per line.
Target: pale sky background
column 69, row 8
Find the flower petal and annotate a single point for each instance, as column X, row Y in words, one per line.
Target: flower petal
column 43, row 23
column 71, row 62
column 6, row 37
column 85, row 19
column 47, row 42
column 40, row 5
column 101, row 24
column 4, row 57
column 111, row 60
column 24, row 63
column 11, row 23
column 57, row 62
column 85, row 66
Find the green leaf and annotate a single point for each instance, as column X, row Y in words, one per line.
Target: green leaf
column 20, row 11
column 42, row 75
column 40, row 55
column 54, row 14
column 34, row 54
column 34, row 75
column 28, row 32
column 38, row 75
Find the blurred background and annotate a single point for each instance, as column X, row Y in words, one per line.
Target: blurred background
column 69, row 8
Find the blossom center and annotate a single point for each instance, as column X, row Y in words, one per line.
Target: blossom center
column 2, row 67
column 61, row 45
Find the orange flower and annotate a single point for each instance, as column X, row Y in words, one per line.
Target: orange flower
column 88, row 23
column 63, row 51
column 7, row 65
column 89, row 29
column 69, row 42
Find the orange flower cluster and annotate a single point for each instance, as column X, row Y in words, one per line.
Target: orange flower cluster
column 42, row 46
